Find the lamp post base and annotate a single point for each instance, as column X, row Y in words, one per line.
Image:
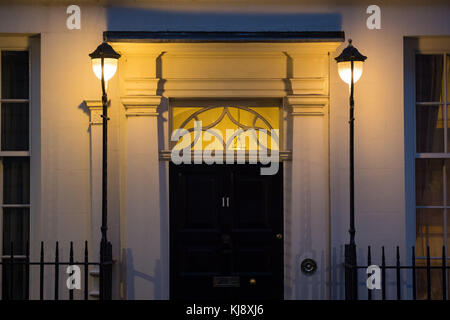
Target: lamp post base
column 351, row 273
column 105, row 270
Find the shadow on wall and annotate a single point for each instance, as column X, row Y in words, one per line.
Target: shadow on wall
column 337, row 273
column 163, row 199
column 132, row 275
column 140, row 19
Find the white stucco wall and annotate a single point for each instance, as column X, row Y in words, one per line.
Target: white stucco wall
column 67, row 80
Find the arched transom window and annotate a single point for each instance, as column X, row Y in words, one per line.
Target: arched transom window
column 225, row 128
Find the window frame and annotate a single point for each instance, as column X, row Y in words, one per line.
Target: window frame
column 412, row 47
column 16, row 154
column 436, row 155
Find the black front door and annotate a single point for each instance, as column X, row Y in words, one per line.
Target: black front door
column 226, row 227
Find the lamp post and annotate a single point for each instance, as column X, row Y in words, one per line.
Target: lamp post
column 350, row 67
column 104, row 65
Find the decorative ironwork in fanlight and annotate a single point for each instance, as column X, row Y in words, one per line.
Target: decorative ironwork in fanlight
column 260, row 124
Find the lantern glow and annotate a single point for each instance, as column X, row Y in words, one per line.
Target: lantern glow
column 109, row 67
column 345, row 71
column 348, row 56
column 110, row 57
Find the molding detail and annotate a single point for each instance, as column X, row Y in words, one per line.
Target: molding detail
column 309, row 86
column 231, row 87
column 140, row 86
column 95, row 111
column 141, row 105
column 308, row 105
column 165, row 155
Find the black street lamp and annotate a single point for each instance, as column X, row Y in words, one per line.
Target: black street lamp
column 104, row 65
column 350, row 67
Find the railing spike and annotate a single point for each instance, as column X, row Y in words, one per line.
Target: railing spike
column 413, row 262
column 86, row 270
column 11, row 274
column 369, row 262
column 26, row 266
column 41, row 273
column 398, row 273
column 428, row 274
column 383, row 274
column 71, row 263
column 57, row 271
column 444, row 274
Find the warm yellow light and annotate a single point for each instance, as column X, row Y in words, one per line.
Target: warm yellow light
column 345, row 71
column 110, row 67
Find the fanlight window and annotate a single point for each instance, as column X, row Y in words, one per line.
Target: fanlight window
column 226, row 128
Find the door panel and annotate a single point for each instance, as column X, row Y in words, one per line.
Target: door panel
column 194, row 228
column 223, row 225
column 257, row 219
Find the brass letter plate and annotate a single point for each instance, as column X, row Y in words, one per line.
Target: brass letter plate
column 226, row 282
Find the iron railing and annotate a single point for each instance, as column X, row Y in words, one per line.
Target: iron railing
column 406, row 276
column 12, row 265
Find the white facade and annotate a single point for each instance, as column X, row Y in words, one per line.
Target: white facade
column 66, row 140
